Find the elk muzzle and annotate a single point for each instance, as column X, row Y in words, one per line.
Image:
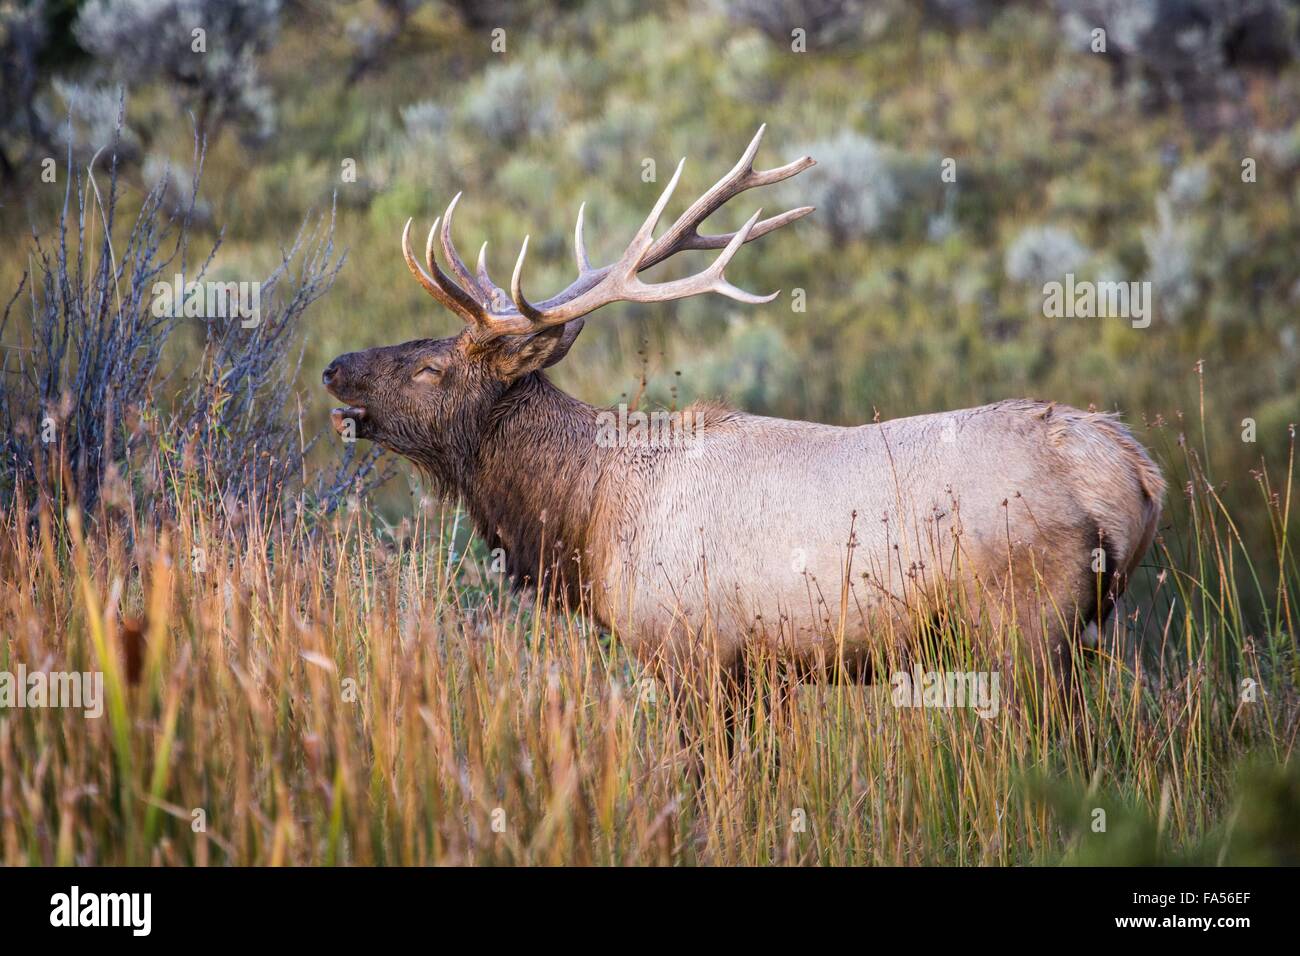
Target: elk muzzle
column 341, row 380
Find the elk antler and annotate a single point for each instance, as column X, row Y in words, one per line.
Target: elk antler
column 495, row 312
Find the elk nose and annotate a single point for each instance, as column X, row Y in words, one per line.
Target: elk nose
column 331, row 370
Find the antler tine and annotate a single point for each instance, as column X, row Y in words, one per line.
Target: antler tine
column 635, row 254
column 466, row 305
column 467, row 280
column 588, row 275
column 579, row 244
column 620, row 283
column 628, row 265
column 711, row 279
column 720, row 283
column 496, row 294
column 694, row 240
column 437, row 284
column 594, row 287
column 525, row 307
column 684, row 233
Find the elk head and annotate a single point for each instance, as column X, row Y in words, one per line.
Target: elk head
column 431, row 400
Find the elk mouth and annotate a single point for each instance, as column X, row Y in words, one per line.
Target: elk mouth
column 339, row 418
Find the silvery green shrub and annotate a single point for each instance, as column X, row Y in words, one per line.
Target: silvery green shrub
column 91, row 119
column 1188, row 186
column 853, row 186
column 425, row 119
column 1043, row 253
column 513, row 101
column 137, row 42
column 619, row 136
column 1172, row 261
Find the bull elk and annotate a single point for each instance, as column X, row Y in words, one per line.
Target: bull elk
column 809, row 540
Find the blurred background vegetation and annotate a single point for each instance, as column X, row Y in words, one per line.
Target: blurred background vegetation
column 1170, row 156
column 921, row 294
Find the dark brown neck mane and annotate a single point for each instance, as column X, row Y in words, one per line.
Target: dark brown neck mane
column 531, row 489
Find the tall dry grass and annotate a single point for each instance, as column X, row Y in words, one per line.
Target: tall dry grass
column 289, row 688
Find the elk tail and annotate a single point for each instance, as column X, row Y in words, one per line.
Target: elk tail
column 1118, row 483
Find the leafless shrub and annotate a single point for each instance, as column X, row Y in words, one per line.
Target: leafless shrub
column 85, row 394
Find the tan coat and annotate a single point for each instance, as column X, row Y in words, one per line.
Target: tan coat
column 763, row 526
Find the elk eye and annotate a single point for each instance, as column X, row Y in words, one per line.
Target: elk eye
column 428, row 374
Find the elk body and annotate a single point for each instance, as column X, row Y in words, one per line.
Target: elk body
column 733, row 529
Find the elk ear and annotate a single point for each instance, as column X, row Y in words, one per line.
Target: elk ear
column 571, row 330
column 520, row 355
